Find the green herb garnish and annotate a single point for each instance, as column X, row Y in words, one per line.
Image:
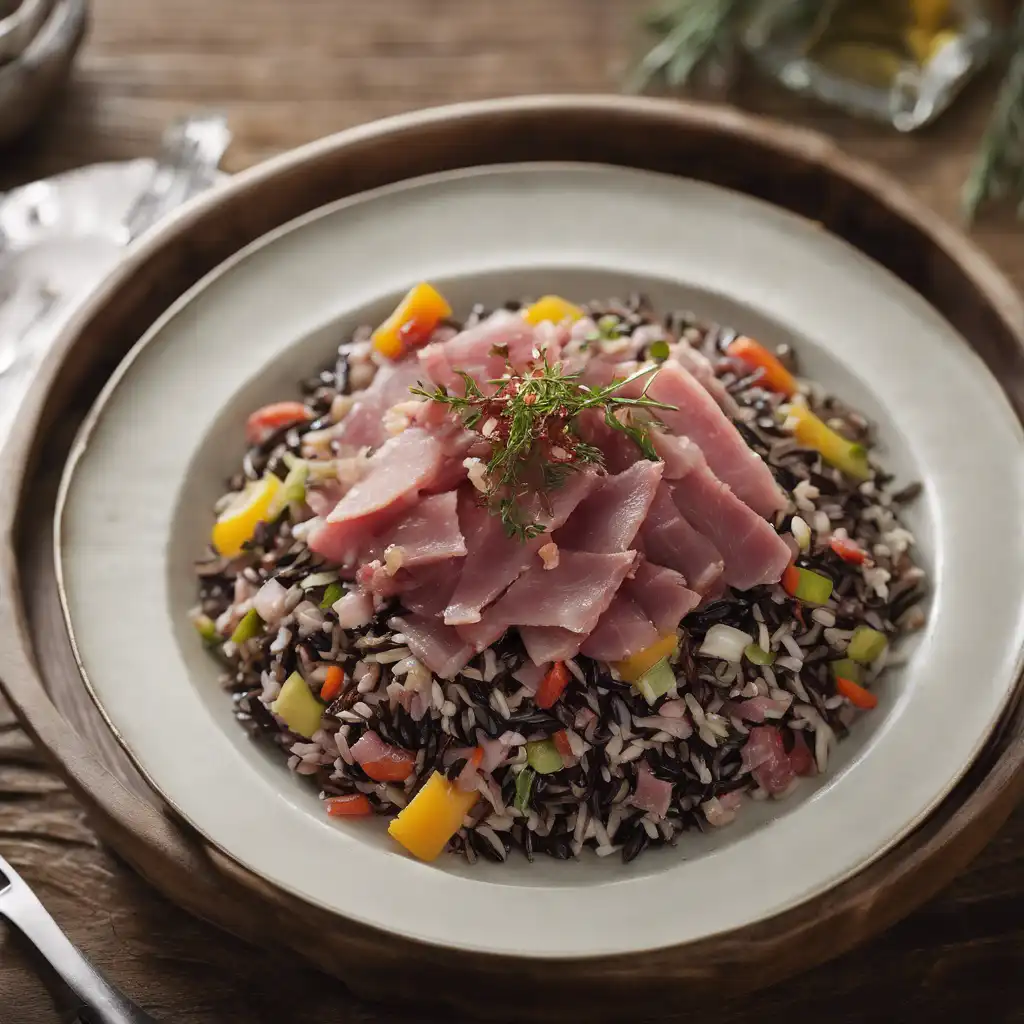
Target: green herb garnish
column 334, row 592
column 530, row 422
column 659, row 351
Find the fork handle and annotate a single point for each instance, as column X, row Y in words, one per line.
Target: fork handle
column 101, row 1001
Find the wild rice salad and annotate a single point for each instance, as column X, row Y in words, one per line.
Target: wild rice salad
column 557, row 577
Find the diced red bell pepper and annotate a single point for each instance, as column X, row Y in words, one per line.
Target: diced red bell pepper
column 552, row 686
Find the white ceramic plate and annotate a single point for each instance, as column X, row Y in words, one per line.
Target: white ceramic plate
column 167, row 430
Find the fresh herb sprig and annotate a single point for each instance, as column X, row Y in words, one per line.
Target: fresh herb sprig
column 998, row 170
column 530, row 422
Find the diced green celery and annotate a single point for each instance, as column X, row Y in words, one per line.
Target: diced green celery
column 334, row 592
column 206, row 628
column 543, row 757
column 757, row 655
column 656, row 681
column 847, row 669
column 293, row 490
column 866, row 644
column 813, row 587
column 524, row 786
column 301, row 711
column 250, row 626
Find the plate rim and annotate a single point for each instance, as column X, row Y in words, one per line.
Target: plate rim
column 219, row 889
column 112, row 385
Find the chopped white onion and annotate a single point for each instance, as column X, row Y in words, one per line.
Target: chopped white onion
column 725, row 642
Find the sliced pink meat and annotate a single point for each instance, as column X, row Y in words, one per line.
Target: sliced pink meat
column 478, row 350
column 679, row 454
column 370, row 748
column 700, row 366
column 395, row 474
column 752, row 551
column 610, row 516
column 621, row 631
column 438, row 646
column 323, row 497
column 697, row 416
column 429, row 532
column 652, row 794
column 765, row 756
column 573, row 595
column 619, row 451
column 661, row 594
column 494, row 560
column 545, row 644
column 364, row 424
column 427, row 590
column 669, row 540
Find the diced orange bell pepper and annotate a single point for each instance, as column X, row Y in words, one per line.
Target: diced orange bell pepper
column 353, row 806
column 856, row 694
column 774, row 375
column 432, row 817
column 553, row 308
column 412, row 322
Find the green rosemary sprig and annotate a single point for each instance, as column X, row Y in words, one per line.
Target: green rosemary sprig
column 691, row 31
column 998, row 170
column 530, row 422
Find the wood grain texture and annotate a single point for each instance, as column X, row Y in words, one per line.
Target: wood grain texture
column 287, row 73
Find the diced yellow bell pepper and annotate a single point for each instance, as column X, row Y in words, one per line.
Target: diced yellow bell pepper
column 412, row 322
column 637, row 664
column 238, row 522
column 432, row 817
column 847, row 456
column 553, row 308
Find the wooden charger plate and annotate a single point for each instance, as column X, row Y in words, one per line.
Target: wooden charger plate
column 790, row 168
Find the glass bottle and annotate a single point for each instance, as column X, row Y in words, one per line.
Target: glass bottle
column 900, row 61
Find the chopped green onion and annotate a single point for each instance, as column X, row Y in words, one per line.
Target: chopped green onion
column 807, row 585
column 335, row 592
column 293, row 490
column 866, row 644
column 318, row 579
column 656, row 681
column 206, row 628
column 659, row 351
column 757, row 655
column 524, row 786
column 847, row 669
column 250, row 626
column 543, row 757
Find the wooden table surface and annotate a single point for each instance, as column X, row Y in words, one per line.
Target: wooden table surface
column 287, row 71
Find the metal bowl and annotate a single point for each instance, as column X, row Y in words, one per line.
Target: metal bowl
column 41, row 37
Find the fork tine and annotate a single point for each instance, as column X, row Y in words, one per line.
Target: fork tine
column 20, row 906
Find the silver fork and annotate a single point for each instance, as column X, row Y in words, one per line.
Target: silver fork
column 98, row 1002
